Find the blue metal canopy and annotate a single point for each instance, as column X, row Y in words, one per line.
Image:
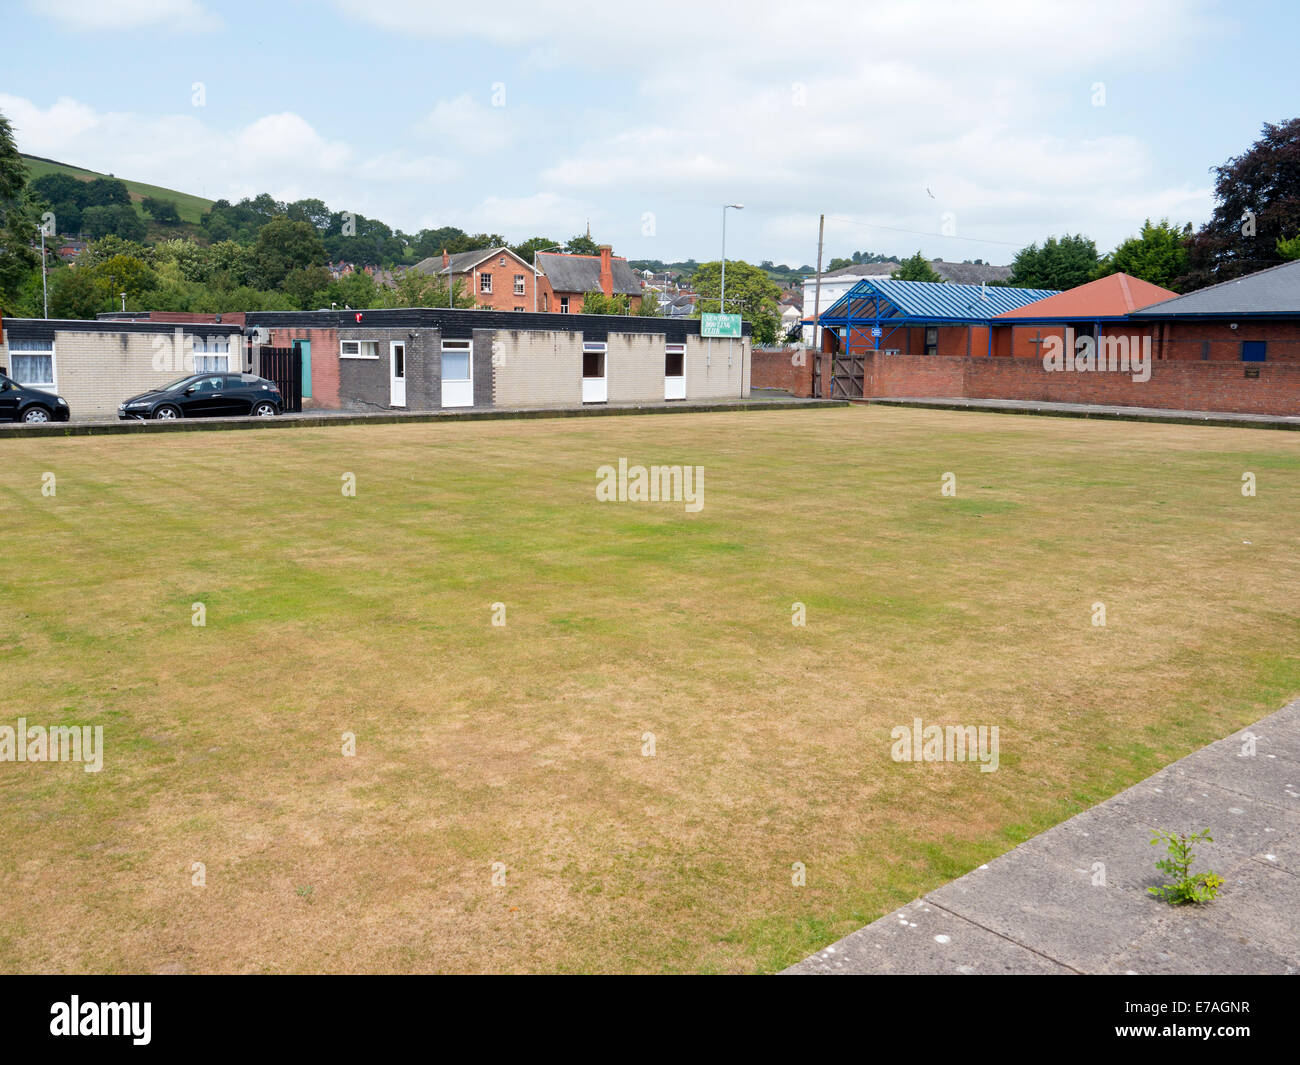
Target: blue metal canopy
column 886, row 304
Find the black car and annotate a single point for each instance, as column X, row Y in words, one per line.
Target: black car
column 207, row 395
column 19, row 403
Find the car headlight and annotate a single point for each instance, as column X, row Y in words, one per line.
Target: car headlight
column 62, row 402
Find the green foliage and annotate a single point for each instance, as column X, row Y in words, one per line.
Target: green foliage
column 599, row 303
column 1186, row 886
column 416, row 289
column 75, row 294
column 916, row 268
column 161, row 211
column 1059, row 264
column 116, row 220
column 750, row 293
column 649, row 304
column 1289, row 249
column 19, row 218
column 1158, row 254
column 283, row 246
column 582, row 245
column 1260, row 187
column 534, row 244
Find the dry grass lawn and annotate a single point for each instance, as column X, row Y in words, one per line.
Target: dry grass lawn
column 523, row 744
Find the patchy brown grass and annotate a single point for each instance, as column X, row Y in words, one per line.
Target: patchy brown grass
column 523, row 744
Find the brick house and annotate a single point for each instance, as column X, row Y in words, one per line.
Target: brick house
column 564, row 280
column 498, row 279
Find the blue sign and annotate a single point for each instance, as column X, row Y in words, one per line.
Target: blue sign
column 875, row 331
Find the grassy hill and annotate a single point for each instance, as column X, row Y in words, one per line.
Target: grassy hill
column 190, row 208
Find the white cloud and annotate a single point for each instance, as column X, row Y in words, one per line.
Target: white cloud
column 183, row 16
column 465, row 124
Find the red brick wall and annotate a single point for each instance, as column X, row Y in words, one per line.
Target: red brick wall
column 1188, row 340
column 1174, row 384
column 324, row 363
column 502, row 297
column 776, row 368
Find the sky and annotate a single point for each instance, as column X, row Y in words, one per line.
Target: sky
column 964, row 130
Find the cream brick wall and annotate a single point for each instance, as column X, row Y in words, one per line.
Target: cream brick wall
column 94, row 372
column 545, row 369
column 535, row 369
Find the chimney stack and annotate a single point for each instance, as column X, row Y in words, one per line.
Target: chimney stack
column 606, row 270
column 446, row 259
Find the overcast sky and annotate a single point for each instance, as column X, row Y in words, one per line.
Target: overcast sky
column 964, row 129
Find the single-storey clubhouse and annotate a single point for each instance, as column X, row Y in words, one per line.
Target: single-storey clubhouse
column 415, row 359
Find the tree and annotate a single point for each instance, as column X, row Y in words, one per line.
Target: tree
column 123, row 273
column 74, row 293
column 750, row 292
column 18, row 221
column 113, row 220
column 599, row 303
column 303, row 282
column 1289, row 249
column 526, row 250
column 107, row 192
column 1258, row 203
column 917, row 268
column 1058, row 264
column 582, row 245
column 1158, row 254
column 649, row 304
column 416, row 289
column 283, row 245
column 161, row 211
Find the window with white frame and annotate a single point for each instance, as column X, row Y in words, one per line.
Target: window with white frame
column 675, row 361
column 519, row 284
column 485, row 282
column 31, row 362
column 564, row 304
column 358, row 349
column 593, row 359
column 501, row 261
column 211, row 353
column 455, row 360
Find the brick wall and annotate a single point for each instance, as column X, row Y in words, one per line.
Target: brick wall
column 777, row 368
column 1218, row 341
column 1174, row 384
column 324, row 363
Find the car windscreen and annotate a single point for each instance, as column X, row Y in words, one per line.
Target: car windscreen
column 178, row 382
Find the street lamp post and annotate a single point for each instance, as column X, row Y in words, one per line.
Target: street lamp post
column 722, row 285
column 45, row 291
column 537, row 252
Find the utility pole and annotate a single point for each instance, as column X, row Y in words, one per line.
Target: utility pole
column 817, row 310
column 722, row 281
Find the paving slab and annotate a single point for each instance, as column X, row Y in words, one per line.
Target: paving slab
column 923, row 938
column 1074, row 898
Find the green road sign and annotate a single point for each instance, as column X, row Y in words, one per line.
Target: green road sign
column 720, row 325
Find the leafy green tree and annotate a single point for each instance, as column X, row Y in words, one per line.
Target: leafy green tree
column 98, row 251
column 1258, row 203
column 113, row 220
column 599, row 303
column 284, row 245
column 303, row 282
column 124, row 273
column 1058, row 264
column 915, row 268
column 18, row 221
column 582, row 245
column 107, row 192
column 161, row 211
column 416, row 289
column 1158, row 254
column 74, row 293
column 649, row 304
column 1289, row 249
column 314, row 212
column 750, row 293
column 534, row 244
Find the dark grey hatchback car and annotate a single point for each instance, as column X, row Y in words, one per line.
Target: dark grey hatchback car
column 18, row 403
column 207, row 395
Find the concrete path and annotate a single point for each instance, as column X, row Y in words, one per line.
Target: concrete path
column 1073, row 900
column 1096, row 410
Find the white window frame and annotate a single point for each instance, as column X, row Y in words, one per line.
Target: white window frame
column 466, row 346
column 207, row 351
column 357, row 352
column 485, row 284
column 675, row 386
column 45, row 386
column 520, row 285
column 595, row 389
column 564, row 304
column 501, row 261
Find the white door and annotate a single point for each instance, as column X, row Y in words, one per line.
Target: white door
column 675, row 372
column 595, row 383
column 458, row 373
column 397, row 361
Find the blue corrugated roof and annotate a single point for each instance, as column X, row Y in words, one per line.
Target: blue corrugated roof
column 927, row 301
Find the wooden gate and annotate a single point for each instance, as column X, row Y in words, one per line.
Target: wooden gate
column 847, row 372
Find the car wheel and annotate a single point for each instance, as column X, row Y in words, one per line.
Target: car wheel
column 167, row 414
column 36, row 415
column 264, row 410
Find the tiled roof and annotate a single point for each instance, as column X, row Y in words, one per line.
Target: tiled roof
column 1113, row 296
column 1274, row 291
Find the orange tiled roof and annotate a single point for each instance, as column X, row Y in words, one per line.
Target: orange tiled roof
column 1107, row 297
